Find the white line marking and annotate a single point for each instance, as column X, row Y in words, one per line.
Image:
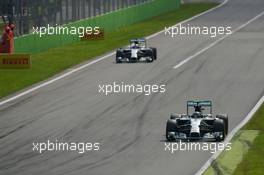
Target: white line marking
column 231, row 135
column 216, row 42
column 95, row 61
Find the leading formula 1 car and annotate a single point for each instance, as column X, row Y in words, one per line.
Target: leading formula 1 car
column 197, row 126
column 137, row 51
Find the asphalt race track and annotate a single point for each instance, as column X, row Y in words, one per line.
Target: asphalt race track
column 131, row 127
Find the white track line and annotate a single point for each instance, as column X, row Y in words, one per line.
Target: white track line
column 93, row 62
column 231, row 135
column 216, row 42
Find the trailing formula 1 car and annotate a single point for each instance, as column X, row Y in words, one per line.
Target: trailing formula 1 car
column 137, row 51
column 197, row 126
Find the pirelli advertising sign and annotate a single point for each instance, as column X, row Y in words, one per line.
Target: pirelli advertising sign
column 15, row 61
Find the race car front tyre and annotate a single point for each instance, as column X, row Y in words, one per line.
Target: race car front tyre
column 170, row 127
column 150, row 60
column 118, row 60
column 219, row 127
column 224, row 117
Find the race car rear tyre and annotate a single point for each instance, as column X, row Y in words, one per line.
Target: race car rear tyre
column 219, row 127
column 154, row 53
column 170, row 127
column 224, row 117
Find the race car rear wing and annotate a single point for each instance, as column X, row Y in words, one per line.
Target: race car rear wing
column 138, row 40
column 199, row 105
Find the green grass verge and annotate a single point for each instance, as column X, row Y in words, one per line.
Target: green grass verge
column 227, row 162
column 53, row 61
column 246, row 155
column 257, row 121
column 253, row 162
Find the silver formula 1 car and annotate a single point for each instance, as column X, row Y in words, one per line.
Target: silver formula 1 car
column 198, row 125
column 137, row 51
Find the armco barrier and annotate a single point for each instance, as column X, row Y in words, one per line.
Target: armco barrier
column 33, row 43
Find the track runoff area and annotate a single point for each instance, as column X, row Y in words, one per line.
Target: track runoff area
column 193, row 78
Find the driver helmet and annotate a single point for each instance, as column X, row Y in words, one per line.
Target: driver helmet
column 198, row 108
column 136, row 44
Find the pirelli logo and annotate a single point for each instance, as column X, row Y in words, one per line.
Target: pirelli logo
column 15, row 61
